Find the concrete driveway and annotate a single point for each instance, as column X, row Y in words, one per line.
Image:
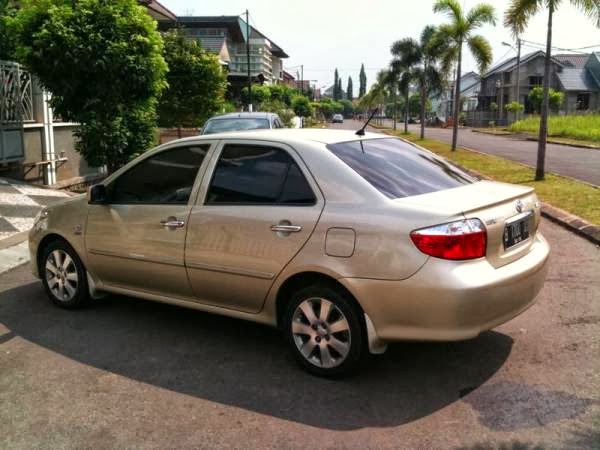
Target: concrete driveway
column 126, row 373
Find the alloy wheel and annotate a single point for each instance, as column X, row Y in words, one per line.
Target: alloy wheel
column 321, row 332
column 61, row 275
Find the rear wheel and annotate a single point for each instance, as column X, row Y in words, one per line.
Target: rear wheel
column 325, row 331
column 64, row 276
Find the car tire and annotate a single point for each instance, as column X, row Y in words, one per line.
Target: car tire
column 63, row 275
column 331, row 342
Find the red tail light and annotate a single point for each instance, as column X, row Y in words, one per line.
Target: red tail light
column 465, row 239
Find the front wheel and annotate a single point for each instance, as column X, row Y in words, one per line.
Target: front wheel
column 325, row 330
column 64, row 276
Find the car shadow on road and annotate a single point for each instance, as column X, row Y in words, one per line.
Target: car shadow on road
column 248, row 365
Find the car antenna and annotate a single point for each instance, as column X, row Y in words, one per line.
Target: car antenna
column 361, row 132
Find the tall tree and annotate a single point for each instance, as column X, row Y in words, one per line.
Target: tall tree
column 336, row 84
column 197, row 83
column 460, row 30
column 517, row 17
column 104, row 65
column 427, row 62
column 7, row 37
column 406, row 58
column 340, row 89
column 362, row 81
column 349, row 89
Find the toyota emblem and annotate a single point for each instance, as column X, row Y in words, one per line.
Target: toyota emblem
column 519, row 206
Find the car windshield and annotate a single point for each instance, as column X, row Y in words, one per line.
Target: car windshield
column 399, row 169
column 235, row 124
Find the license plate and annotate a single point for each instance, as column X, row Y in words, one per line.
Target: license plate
column 515, row 232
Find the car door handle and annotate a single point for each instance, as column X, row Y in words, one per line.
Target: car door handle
column 286, row 228
column 172, row 222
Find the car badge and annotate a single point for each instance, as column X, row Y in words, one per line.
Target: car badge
column 519, row 206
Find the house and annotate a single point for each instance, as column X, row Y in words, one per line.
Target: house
column 35, row 145
column 442, row 103
column 227, row 37
column 577, row 75
column 328, row 92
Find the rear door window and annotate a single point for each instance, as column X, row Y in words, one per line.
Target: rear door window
column 398, row 169
column 259, row 175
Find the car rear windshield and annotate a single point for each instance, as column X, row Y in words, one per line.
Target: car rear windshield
column 237, row 124
column 399, row 169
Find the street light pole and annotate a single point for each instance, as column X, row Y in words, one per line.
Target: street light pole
column 248, row 62
column 518, row 75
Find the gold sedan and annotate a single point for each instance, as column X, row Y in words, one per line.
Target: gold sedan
column 345, row 242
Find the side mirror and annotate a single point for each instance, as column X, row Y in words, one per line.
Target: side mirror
column 97, row 194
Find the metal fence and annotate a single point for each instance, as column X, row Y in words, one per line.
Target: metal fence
column 16, row 107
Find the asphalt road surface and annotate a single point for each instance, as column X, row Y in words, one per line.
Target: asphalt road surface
column 580, row 163
column 127, row 373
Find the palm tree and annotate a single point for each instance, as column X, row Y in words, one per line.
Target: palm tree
column 406, row 57
column 426, row 60
column 516, row 18
column 460, row 30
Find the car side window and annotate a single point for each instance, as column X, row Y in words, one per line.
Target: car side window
column 165, row 178
column 259, row 175
column 278, row 124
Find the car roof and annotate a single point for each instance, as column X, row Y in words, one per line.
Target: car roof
column 245, row 115
column 325, row 136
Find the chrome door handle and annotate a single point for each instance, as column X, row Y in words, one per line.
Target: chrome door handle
column 286, row 228
column 172, row 222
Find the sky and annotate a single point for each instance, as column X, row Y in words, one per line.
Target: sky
column 325, row 34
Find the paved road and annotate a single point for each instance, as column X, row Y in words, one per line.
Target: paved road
column 580, row 163
column 126, row 373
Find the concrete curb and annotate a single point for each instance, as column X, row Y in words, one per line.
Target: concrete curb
column 13, row 257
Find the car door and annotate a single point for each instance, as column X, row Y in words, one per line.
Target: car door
column 254, row 213
column 135, row 239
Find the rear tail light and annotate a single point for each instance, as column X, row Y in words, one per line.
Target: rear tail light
column 464, row 239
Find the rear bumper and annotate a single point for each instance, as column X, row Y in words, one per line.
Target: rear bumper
column 449, row 300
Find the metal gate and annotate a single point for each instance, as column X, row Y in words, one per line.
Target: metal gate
column 16, row 106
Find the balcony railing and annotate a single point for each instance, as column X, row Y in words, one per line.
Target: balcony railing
column 16, row 94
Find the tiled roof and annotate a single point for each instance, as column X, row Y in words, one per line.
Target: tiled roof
column 573, row 61
column 577, row 80
column 161, row 12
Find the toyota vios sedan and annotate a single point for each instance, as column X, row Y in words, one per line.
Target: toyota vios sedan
column 344, row 242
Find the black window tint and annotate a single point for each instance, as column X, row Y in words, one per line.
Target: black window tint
column 398, row 169
column 258, row 175
column 167, row 177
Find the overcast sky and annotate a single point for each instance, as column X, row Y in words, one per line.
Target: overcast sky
column 325, row 34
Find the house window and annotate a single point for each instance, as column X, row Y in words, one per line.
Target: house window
column 507, row 77
column 583, row 102
column 536, row 81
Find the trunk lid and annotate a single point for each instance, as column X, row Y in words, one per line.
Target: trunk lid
column 496, row 205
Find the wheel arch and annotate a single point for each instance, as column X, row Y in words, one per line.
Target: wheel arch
column 301, row 279
column 44, row 242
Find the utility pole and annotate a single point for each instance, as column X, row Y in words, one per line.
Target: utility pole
column 248, row 61
column 518, row 75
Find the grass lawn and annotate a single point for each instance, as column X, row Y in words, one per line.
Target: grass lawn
column 580, row 127
column 577, row 198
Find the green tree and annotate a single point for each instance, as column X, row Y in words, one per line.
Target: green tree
column 336, row 85
column 103, row 63
column 517, row 17
column 348, row 107
column 7, row 36
column 197, row 84
column 302, row 106
column 536, row 98
column 362, row 81
column 460, row 30
column 261, row 93
column 349, row 89
column 403, row 66
column 426, row 60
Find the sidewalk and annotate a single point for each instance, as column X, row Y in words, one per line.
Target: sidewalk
column 19, row 204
